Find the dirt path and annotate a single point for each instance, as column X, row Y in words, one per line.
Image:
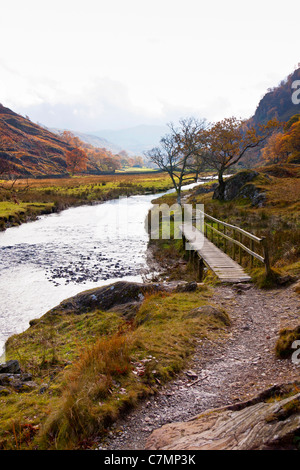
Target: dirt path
column 229, row 371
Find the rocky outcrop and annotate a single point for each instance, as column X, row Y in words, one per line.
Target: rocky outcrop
column 270, row 421
column 106, row 297
column 240, row 186
column 122, row 296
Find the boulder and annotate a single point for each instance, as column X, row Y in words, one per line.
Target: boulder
column 106, row 297
column 10, row 367
column 238, row 186
column 187, row 287
column 267, row 422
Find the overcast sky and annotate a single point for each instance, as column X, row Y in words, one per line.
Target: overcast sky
column 94, row 64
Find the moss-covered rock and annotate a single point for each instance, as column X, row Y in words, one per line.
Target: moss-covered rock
column 238, row 186
column 210, row 312
column 105, row 298
column 285, row 341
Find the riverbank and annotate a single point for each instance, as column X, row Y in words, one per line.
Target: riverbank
column 34, row 197
column 95, row 357
column 88, row 361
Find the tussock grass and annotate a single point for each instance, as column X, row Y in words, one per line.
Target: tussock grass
column 96, row 366
column 278, row 220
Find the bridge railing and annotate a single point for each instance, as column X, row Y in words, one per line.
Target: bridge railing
column 229, row 237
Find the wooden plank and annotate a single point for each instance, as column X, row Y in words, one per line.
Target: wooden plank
column 226, row 269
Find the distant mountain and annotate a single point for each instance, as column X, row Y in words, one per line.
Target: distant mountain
column 135, row 140
column 93, row 140
column 277, row 102
column 31, row 149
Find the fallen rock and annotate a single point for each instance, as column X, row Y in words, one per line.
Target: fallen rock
column 259, row 424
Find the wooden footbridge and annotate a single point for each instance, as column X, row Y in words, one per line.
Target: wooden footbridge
column 221, row 247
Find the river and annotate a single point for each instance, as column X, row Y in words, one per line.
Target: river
column 55, row 257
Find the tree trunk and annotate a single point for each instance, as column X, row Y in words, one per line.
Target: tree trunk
column 220, row 190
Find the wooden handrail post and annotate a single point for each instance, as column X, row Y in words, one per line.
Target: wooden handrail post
column 252, row 249
column 240, row 249
column 266, row 255
column 200, row 269
column 233, row 254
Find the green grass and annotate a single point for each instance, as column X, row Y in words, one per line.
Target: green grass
column 39, row 196
column 278, row 220
column 96, row 366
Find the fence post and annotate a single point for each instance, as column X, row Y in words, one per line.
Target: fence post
column 266, row 255
column 233, row 245
column 200, row 269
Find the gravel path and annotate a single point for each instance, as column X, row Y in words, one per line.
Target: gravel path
column 231, row 370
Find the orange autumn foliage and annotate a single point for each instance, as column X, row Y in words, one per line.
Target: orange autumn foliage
column 76, row 160
column 285, row 145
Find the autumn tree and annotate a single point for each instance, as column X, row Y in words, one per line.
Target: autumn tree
column 177, row 150
column 76, row 160
column 275, row 150
column 227, row 142
column 284, row 146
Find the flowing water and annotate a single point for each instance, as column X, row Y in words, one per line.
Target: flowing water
column 48, row 260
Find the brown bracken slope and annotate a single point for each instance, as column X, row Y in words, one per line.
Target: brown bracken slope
column 29, row 148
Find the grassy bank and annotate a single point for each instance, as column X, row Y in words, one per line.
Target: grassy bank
column 278, row 219
column 34, row 197
column 88, row 369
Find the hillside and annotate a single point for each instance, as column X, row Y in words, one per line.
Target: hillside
column 277, row 102
column 93, row 140
column 31, row 149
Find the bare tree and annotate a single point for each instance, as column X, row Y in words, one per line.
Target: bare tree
column 178, row 150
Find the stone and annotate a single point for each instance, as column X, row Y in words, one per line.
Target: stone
column 240, row 186
column 106, row 297
column 10, row 367
column 4, row 391
column 187, row 287
column 263, row 423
